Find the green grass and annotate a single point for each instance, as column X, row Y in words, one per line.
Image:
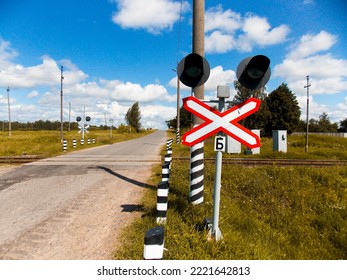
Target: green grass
column 47, row 143
column 267, row 212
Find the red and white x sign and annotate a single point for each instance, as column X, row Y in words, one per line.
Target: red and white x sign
column 216, row 121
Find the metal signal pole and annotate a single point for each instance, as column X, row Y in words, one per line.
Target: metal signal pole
column 196, row 190
column 178, row 111
column 61, row 105
column 307, row 110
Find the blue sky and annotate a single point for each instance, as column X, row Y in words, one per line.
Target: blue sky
column 117, row 52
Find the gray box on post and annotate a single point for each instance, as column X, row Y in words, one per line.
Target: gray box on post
column 233, row 146
column 223, row 91
column 279, row 140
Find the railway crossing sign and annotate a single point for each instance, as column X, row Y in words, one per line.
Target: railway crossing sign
column 216, row 121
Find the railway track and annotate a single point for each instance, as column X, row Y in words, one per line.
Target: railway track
column 276, row 162
column 236, row 161
column 19, row 159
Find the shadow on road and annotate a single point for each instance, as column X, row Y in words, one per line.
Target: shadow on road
column 129, row 180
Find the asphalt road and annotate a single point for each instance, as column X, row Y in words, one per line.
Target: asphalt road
column 75, row 205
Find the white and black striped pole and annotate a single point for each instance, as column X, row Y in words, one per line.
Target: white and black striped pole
column 196, row 189
column 64, row 145
column 178, row 136
column 168, row 159
column 154, row 244
column 193, row 71
column 162, row 201
column 82, row 141
column 165, row 172
column 169, row 143
column 74, row 143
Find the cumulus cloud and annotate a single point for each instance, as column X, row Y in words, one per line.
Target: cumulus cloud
column 311, row 44
column 42, row 83
column 228, row 30
column 151, row 15
column 309, row 56
column 45, row 74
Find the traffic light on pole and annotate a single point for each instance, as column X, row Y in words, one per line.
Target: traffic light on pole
column 254, row 72
column 193, row 70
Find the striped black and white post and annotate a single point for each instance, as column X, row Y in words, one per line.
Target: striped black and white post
column 196, row 190
column 88, row 141
column 93, row 141
column 168, row 159
column 82, row 141
column 74, row 143
column 178, row 136
column 165, row 172
column 162, row 201
column 64, row 145
column 169, row 143
column 154, row 244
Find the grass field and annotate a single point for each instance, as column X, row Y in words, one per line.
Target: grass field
column 267, row 212
column 47, row 143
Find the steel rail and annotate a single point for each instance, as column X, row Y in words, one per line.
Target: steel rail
column 279, row 162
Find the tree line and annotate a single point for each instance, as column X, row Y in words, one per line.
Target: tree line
column 279, row 110
column 132, row 118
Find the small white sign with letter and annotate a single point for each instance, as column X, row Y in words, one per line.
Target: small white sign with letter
column 219, row 143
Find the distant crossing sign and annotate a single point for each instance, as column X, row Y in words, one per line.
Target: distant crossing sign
column 216, row 121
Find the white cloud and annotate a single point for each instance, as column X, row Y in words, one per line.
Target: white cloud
column 6, row 53
column 45, row 74
column 151, row 15
column 258, row 32
column 311, row 44
column 42, row 83
column 224, row 21
column 328, row 74
column 227, row 30
column 218, row 42
column 156, row 115
column 33, row 94
column 219, row 76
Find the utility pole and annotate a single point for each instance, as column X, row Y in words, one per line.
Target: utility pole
column 9, row 112
column 307, row 110
column 69, row 116
column 61, row 105
column 196, row 190
column 178, row 111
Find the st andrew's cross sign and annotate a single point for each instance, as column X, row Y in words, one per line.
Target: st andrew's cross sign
column 216, row 121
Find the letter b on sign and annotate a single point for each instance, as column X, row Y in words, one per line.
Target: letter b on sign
column 219, row 144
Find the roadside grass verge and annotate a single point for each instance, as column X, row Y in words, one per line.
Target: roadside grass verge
column 47, row 143
column 267, row 212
